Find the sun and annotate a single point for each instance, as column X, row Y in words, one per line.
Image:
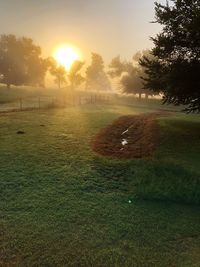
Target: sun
column 65, row 55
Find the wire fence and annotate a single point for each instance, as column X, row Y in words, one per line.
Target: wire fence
column 48, row 102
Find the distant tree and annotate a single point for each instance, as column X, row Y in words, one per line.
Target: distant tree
column 57, row 71
column 117, row 67
column 131, row 82
column 37, row 71
column 129, row 75
column 74, row 76
column 21, row 62
column 175, row 67
column 96, row 78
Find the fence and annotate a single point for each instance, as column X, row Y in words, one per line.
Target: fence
column 47, row 102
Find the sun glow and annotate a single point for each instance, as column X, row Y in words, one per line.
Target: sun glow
column 65, row 55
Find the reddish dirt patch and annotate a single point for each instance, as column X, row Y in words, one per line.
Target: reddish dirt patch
column 141, row 133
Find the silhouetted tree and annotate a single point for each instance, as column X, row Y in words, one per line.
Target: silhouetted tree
column 131, row 82
column 21, row 62
column 175, row 68
column 37, row 71
column 96, row 78
column 58, row 71
column 118, row 67
column 74, row 76
column 129, row 75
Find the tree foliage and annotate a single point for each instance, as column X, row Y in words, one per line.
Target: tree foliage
column 129, row 74
column 57, row 71
column 74, row 75
column 96, row 78
column 117, row 67
column 175, row 68
column 21, row 62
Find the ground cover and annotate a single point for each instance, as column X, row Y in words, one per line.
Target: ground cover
column 64, row 205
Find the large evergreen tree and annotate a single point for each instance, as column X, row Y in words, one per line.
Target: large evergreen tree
column 175, row 67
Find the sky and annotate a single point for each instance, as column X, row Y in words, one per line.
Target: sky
column 108, row 27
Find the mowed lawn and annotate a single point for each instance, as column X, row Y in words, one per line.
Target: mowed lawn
column 63, row 205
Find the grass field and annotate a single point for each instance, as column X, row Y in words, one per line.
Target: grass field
column 64, row 205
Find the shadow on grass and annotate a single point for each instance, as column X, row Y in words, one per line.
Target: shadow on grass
column 108, row 176
column 150, row 180
column 168, row 182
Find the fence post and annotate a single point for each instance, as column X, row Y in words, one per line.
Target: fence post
column 64, row 102
column 39, row 102
column 20, row 103
column 74, row 100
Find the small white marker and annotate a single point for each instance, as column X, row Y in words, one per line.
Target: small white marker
column 125, row 132
column 129, row 201
column 124, row 142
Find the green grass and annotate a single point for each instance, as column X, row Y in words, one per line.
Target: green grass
column 63, row 205
column 15, row 93
column 175, row 172
column 26, row 93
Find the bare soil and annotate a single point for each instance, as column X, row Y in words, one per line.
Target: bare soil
column 129, row 137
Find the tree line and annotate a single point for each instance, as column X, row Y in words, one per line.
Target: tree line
column 171, row 67
column 21, row 63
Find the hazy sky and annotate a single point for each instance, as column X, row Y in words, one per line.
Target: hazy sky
column 109, row 27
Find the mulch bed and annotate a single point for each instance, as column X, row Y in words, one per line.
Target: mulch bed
column 140, row 132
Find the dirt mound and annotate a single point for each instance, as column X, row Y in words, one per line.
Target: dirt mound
column 128, row 137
